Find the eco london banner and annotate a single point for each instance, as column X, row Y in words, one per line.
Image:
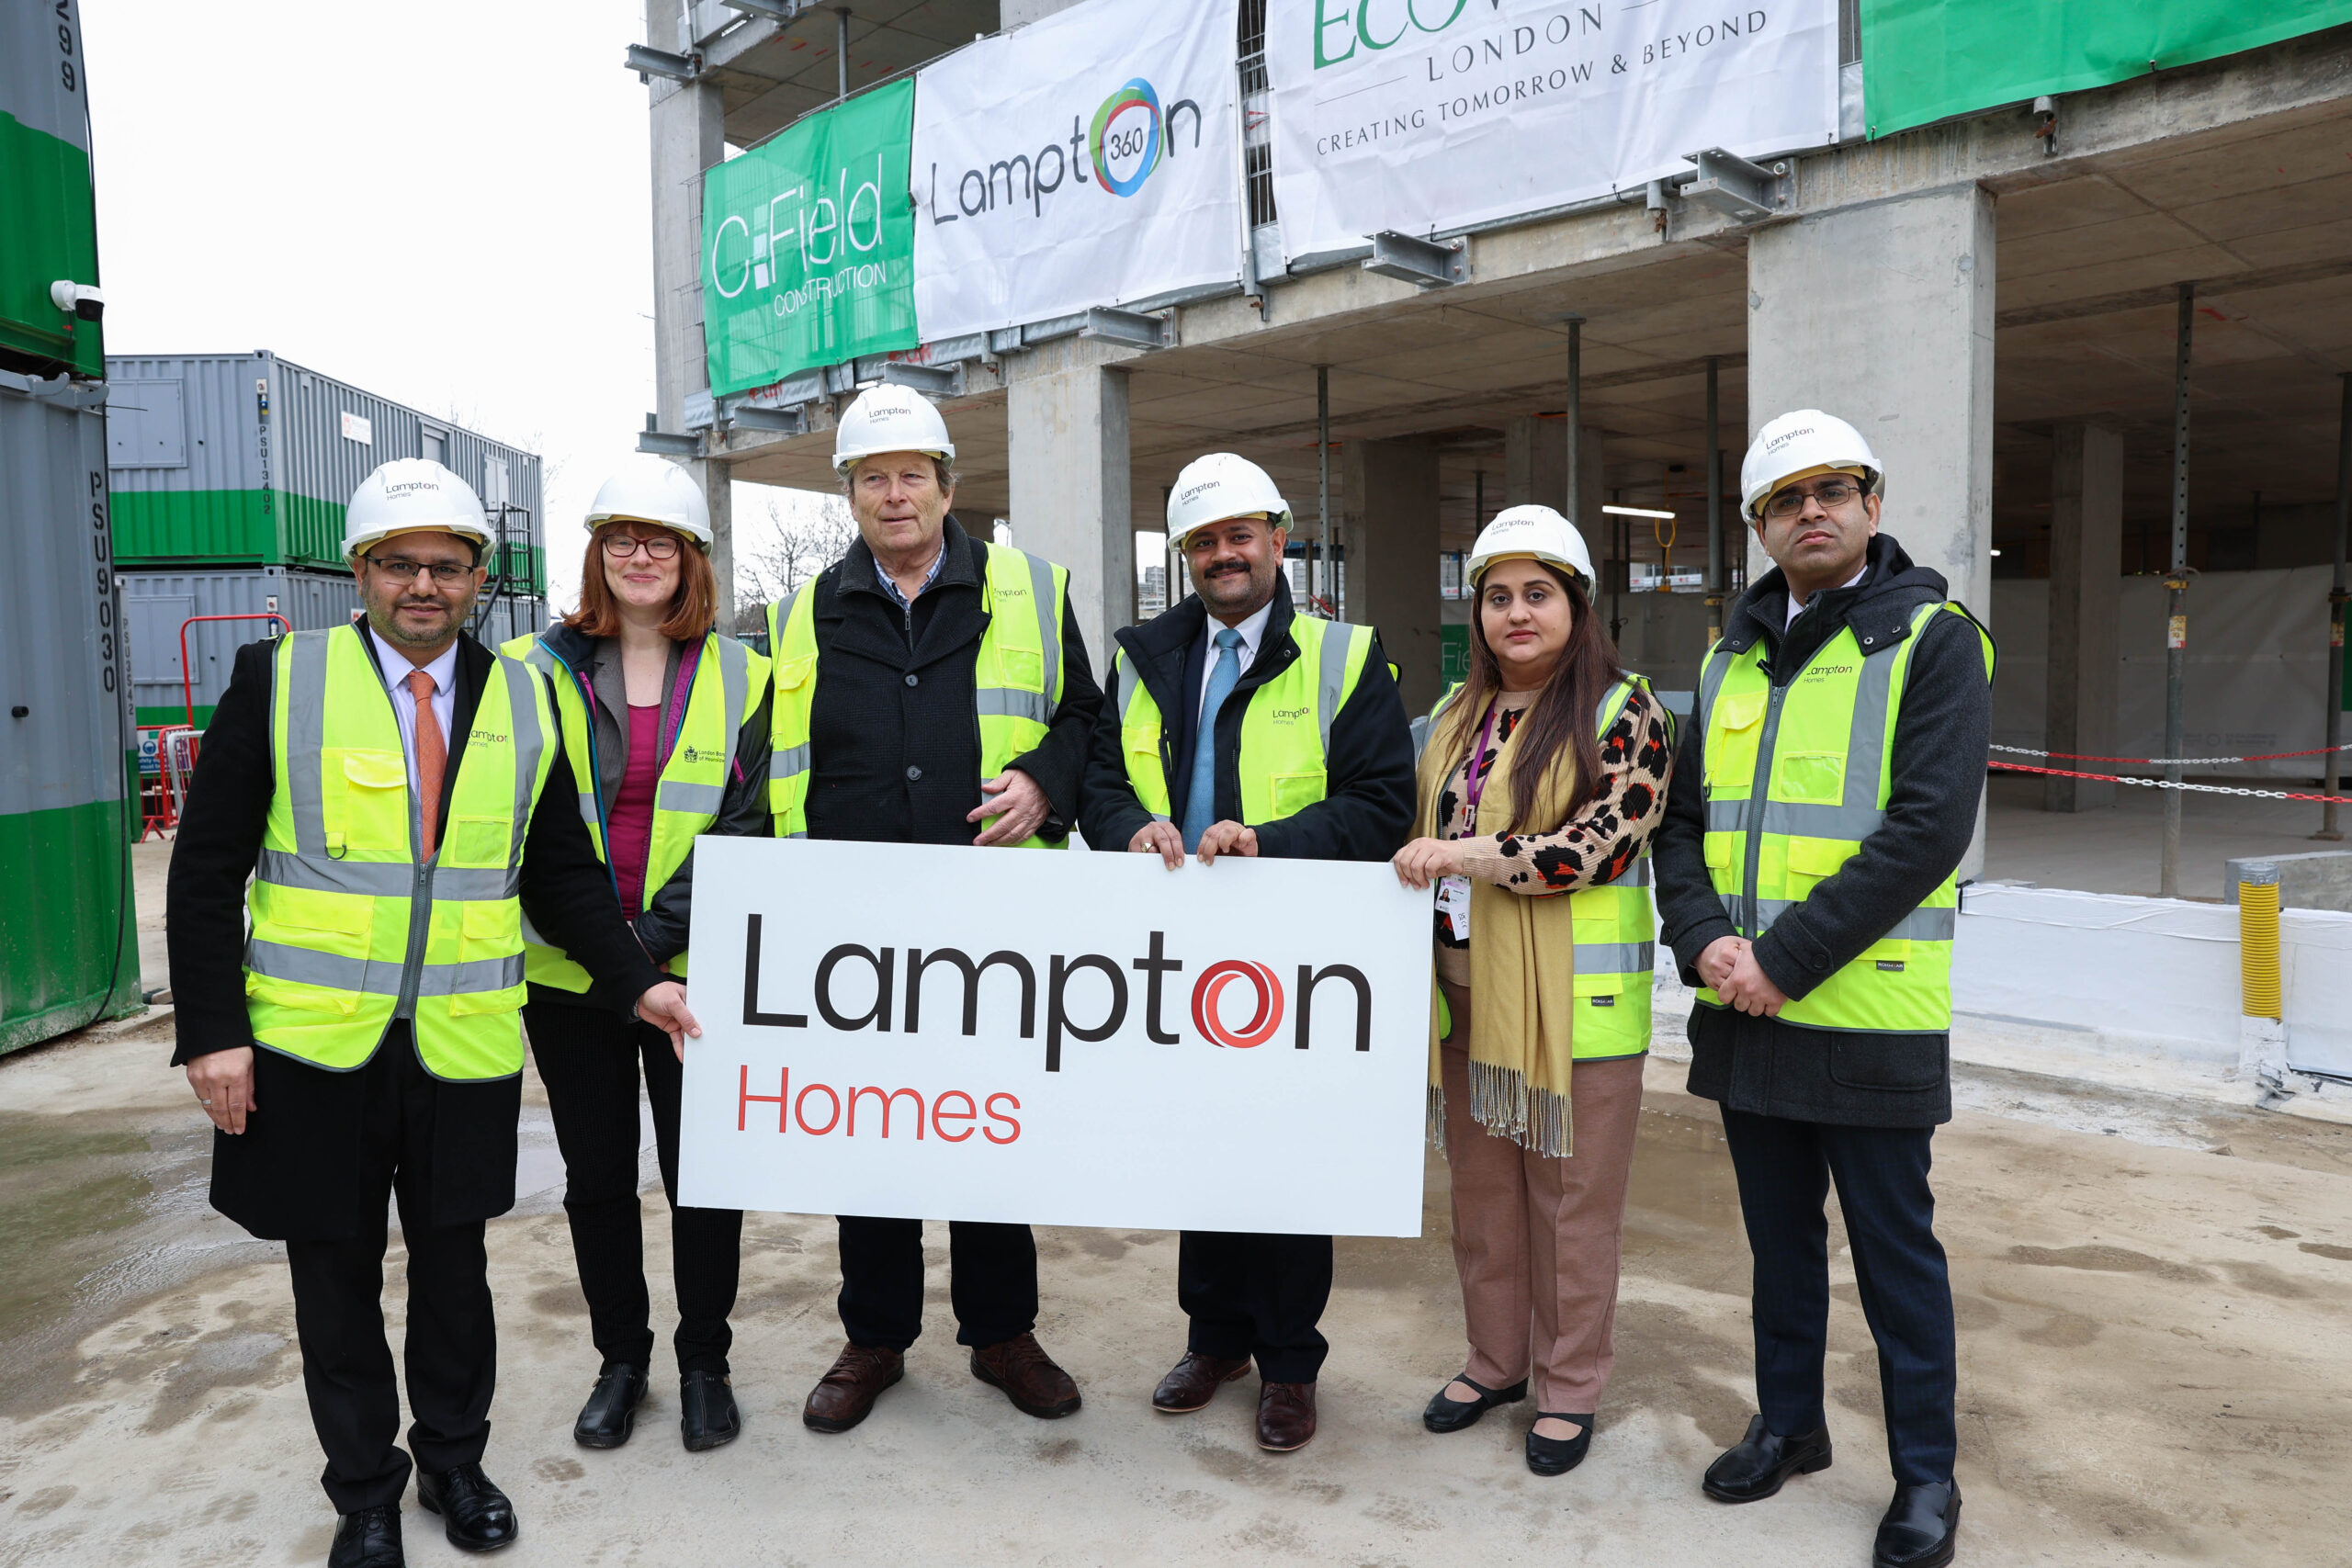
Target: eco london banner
column 1430, row 116
column 953, row 1034
column 1092, row 158
column 807, row 245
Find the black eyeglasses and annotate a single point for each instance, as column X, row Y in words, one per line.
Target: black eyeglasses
column 620, row 547
column 445, row 574
column 1834, row 492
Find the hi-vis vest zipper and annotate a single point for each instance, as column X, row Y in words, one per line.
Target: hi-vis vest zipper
column 1615, row 930
column 1795, row 777
column 350, row 929
column 1016, row 678
column 1282, row 764
column 725, row 691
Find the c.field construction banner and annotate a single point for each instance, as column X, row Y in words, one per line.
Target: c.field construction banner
column 1092, row 158
column 807, row 245
column 1429, row 116
column 954, row 1033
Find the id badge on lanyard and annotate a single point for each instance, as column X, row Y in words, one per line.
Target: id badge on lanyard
column 1454, row 892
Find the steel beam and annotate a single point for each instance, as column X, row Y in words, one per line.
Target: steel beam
column 1411, row 259
column 649, row 62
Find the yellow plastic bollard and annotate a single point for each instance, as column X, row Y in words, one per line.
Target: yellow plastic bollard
column 2258, row 940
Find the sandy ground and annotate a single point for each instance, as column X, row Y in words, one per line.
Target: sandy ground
column 2156, row 1367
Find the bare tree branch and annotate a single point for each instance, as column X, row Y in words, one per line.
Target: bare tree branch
column 797, row 548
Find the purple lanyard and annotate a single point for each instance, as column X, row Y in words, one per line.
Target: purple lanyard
column 1474, row 785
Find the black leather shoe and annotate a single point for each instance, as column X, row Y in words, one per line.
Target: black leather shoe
column 475, row 1513
column 369, row 1538
column 1762, row 1461
column 1921, row 1529
column 1557, row 1456
column 610, row 1414
column 706, row 1410
column 1443, row 1414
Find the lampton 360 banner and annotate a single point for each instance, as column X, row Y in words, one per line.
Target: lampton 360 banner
column 1078, row 1039
column 1092, row 158
column 1430, row 116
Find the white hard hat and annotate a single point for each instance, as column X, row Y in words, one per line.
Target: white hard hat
column 407, row 494
column 1531, row 532
column 890, row 419
column 1796, row 445
column 1218, row 487
column 648, row 489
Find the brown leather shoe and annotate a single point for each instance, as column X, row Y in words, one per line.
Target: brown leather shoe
column 1192, row 1382
column 843, row 1395
column 1028, row 1377
column 1285, row 1415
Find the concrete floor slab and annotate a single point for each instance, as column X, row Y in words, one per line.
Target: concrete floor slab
column 2154, row 1363
column 2118, row 849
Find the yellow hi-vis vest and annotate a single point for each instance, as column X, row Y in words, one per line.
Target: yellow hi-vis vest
column 350, row 929
column 1283, row 756
column 727, row 688
column 1615, row 930
column 1794, row 778
column 1016, row 678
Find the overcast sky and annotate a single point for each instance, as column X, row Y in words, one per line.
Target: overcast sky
column 444, row 203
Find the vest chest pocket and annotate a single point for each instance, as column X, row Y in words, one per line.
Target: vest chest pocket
column 1023, row 667
column 1293, row 793
column 488, row 931
column 1811, row 777
column 478, row 841
column 791, row 674
column 1733, row 731
column 369, row 812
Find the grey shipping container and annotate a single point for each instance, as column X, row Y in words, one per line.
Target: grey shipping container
column 158, row 604
column 249, row 459
column 68, row 955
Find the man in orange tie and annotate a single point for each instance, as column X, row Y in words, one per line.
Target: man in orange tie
column 399, row 796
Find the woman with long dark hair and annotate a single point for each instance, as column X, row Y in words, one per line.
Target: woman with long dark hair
column 665, row 719
column 1543, row 778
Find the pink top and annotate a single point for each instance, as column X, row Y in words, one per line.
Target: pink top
column 629, row 834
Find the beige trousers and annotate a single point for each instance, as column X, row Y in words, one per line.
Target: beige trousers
column 1536, row 1240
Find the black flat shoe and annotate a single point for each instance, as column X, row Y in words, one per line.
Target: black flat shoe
column 1921, row 1529
column 1762, row 1461
column 707, row 1411
column 610, row 1414
column 475, row 1513
column 369, row 1538
column 1443, row 1414
column 1557, row 1456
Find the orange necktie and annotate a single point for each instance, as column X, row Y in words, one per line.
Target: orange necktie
column 432, row 759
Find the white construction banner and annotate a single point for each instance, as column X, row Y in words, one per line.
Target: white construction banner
column 1430, row 116
column 1092, row 158
column 1073, row 1039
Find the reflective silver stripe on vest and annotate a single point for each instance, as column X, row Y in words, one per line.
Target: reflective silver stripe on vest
column 1919, row 925
column 1012, row 702
column 543, row 660
column 1791, row 819
column 384, row 879
column 690, row 799
column 734, row 681
column 788, row 761
column 377, row 979
column 523, row 692
column 1331, row 681
column 1049, row 632
column 1129, row 684
column 306, row 740
column 1616, row 957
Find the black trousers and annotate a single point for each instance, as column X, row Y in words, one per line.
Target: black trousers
column 992, row 1281
column 590, row 1061
column 1784, row 1169
column 1256, row 1295
column 451, row 1351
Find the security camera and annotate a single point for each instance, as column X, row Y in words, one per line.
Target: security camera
column 80, row 299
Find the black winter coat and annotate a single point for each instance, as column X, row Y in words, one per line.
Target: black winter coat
column 1942, row 729
column 1367, row 809
column 894, row 735
column 742, row 807
column 292, row 1174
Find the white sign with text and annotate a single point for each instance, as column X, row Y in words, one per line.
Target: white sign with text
column 1431, row 115
column 1074, row 1039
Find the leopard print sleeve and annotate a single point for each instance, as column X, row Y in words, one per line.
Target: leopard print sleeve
column 1600, row 841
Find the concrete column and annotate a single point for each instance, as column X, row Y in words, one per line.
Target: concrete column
column 1882, row 314
column 1389, row 509
column 688, row 137
column 1066, row 446
column 2086, row 591
column 1535, row 463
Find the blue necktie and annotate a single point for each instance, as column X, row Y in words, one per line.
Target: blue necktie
column 1200, row 800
